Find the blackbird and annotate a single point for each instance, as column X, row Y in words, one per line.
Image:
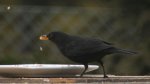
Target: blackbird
column 83, row 50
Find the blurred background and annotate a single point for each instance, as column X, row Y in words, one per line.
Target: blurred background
column 125, row 23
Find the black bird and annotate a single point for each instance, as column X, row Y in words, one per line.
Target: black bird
column 83, row 50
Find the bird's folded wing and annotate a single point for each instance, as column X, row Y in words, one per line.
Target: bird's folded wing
column 89, row 47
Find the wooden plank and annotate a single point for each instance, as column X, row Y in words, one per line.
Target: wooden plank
column 86, row 79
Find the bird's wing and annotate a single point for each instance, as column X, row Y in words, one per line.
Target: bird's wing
column 89, row 46
column 108, row 43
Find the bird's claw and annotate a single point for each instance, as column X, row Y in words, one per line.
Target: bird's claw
column 81, row 76
column 105, row 76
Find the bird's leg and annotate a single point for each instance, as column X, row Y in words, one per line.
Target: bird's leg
column 101, row 63
column 85, row 68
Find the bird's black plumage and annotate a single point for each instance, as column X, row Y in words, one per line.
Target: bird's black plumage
column 84, row 50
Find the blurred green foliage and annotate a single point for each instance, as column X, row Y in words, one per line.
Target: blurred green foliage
column 126, row 23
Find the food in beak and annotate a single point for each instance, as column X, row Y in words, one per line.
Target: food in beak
column 43, row 37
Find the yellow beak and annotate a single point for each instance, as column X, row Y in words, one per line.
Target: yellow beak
column 43, row 37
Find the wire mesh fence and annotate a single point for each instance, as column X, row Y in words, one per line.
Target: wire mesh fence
column 21, row 26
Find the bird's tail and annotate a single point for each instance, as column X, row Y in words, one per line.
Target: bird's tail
column 124, row 51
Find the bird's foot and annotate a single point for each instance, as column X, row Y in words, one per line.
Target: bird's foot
column 105, row 76
column 81, row 75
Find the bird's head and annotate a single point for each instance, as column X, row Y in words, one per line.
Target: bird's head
column 53, row 36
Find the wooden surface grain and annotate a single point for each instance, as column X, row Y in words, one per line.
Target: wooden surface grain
column 86, row 79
